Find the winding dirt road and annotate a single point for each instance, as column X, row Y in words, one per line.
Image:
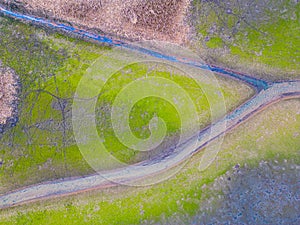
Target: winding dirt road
column 267, row 93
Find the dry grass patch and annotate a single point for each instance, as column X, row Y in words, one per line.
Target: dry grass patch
column 134, row 19
column 8, row 94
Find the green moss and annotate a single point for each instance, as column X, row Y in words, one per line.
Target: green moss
column 42, row 147
column 263, row 42
column 182, row 195
column 144, row 110
column 215, row 43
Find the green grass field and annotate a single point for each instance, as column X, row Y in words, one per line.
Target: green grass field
column 180, row 197
column 42, row 147
column 256, row 37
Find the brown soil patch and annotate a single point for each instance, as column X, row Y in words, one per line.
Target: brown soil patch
column 8, row 94
column 134, row 19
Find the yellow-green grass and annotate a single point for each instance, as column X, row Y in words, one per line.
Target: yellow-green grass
column 42, row 147
column 144, row 110
column 181, row 196
column 262, row 40
column 37, row 149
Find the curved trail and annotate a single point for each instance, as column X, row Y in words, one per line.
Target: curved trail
column 258, row 84
column 64, row 187
column 266, row 94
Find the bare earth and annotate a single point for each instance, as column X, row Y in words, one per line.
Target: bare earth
column 8, row 94
column 134, row 19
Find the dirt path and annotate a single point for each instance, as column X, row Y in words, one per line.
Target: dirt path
column 270, row 93
column 265, row 98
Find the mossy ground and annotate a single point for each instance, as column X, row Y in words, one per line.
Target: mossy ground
column 180, row 197
column 42, row 147
column 257, row 37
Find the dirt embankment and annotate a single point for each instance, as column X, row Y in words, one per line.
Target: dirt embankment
column 134, row 19
column 9, row 88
